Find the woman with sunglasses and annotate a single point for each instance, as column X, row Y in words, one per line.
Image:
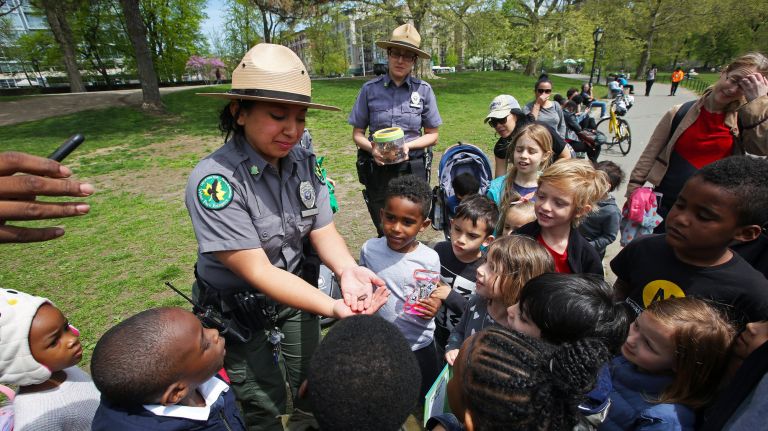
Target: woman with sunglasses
column 507, row 119
column 729, row 118
column 544, row 110
column 396, row 99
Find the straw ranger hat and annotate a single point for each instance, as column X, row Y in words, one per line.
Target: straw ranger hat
column 405, row 37
column 271, row 73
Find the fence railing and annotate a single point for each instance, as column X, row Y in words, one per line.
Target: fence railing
column 695, row 84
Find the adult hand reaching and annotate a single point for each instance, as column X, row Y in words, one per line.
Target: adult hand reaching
column 357, row 288
column 18, row 194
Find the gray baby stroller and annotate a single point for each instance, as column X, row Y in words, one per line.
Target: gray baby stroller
column 458, row 159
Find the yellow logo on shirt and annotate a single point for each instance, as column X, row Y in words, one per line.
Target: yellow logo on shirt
column 659, row 290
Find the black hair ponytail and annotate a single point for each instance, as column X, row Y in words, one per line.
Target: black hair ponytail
column 542, row 78
column 228, row 121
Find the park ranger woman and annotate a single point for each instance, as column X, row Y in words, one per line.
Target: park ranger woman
column 252, row 202
column 396, row 99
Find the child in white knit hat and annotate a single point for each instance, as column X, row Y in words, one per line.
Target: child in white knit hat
column 39, row 352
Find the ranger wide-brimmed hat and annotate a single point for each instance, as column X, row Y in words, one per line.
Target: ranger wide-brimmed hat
column 405, row 37
column 271, row 73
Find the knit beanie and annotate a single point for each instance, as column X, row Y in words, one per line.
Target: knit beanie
column 17, row 366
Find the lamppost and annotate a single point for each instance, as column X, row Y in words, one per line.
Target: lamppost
column 596, row 36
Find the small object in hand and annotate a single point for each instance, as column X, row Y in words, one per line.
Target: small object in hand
column 362, row 297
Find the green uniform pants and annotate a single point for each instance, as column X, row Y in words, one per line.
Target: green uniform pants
column 259, row 383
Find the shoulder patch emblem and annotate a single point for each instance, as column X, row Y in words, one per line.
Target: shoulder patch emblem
column 214, row 192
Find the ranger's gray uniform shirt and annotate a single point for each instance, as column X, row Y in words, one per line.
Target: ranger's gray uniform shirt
column 265, row 210
column 382, row 104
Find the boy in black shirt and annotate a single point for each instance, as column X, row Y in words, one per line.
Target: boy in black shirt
column 723, row 202
column 471, row 231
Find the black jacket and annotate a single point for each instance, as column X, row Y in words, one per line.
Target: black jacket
column 223, row 416
column 582, row 257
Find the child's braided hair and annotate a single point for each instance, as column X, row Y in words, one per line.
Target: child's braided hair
column 512, row 381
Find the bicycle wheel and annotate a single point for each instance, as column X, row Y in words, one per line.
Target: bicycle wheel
column 610, row 137
column 624, row 135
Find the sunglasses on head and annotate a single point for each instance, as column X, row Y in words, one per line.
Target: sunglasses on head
column 494, row 121
column 543, row 90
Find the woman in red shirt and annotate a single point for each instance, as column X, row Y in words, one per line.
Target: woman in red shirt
column 707, row 132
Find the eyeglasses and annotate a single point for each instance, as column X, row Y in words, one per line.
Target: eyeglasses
column 494, row 121
column 405, row 56
column 733, row 79
column 543, row 90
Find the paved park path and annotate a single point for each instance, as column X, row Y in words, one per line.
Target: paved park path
column 642, row 118
column 38, row 107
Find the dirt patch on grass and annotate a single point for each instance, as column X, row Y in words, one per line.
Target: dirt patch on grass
column 162, row 183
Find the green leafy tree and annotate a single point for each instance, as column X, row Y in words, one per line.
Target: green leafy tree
column 534, row 24
column 173, row 34
column 451, row 59
column 103, row 44
column 327, row 43
column 455, row 14
column 57, row 12
column 35, row 52
column 488, row 37
column 733, row 27
column 137, row 32
column 241, row 30
column 278, row 16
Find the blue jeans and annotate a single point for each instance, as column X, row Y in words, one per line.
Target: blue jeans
column 603, row 107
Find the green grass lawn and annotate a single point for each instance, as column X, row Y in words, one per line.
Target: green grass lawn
column 112, row 263
column 11, row 98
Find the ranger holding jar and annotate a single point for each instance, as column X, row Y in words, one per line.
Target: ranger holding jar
column 396, row 99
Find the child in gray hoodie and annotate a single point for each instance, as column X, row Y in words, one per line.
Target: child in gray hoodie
column 602, row 226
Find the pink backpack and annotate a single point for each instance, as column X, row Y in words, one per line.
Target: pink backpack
column 640, row 202
column 639, row 216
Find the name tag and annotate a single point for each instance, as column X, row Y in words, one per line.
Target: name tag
column 310, row 212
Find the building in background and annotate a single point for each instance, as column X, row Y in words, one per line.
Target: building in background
column 19, row 18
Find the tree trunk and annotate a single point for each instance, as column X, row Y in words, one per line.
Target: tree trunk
column 36, row 68
column 102, row 68
column 423, row 69
column 24, row 69
column 459, row 36
column 645, row 56
column 265, row 24
column 137, row 32
column 532, row 67
column 57, row 21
